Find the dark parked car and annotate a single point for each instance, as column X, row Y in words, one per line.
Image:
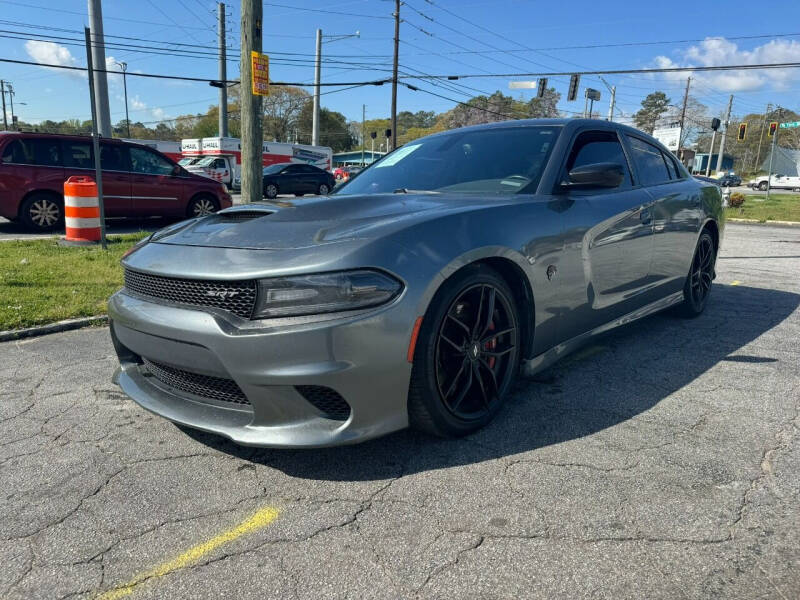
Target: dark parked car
column 413, row 294
column 705, row 179
column 138, row 181
column 729, row 181
column 298, row 179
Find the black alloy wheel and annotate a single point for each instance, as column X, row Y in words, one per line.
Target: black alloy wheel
column 467, row 355
column 271, row 190
column 323, row 189
column 698, row 283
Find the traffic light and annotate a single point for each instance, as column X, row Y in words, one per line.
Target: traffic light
column 542, row 87
column 715, row 123
column 742, row 132
column 773, row 127
column 574, row 80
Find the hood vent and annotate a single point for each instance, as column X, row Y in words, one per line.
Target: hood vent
column 241, row 215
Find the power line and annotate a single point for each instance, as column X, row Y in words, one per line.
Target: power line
column 327, row 12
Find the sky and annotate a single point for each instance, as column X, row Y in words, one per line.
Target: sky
column 443, row 37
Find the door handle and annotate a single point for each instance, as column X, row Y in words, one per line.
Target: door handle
column 645, row 216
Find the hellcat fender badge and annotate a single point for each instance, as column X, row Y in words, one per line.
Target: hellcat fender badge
column 551, row 271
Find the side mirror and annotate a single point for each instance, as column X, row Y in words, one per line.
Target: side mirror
column 597, row 175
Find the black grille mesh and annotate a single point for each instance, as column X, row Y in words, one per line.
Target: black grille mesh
column 217, row 388
column 326, row 401
column 237, row 297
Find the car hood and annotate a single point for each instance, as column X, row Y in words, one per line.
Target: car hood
column 315, row 221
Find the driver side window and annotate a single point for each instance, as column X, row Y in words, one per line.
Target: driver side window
column 592, row 147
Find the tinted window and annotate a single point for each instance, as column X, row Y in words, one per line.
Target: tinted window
column 294, row 169
column 219, row 164
column 593, row 147
column 273, row 169
column 78, row 155
column 498, row 160
column 670, row 167
column 46, row 152
column 113, row 157
column 16, row 151
column 149, row 163
column 649, row 162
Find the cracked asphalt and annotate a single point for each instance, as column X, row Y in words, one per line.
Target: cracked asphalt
column 661, row 462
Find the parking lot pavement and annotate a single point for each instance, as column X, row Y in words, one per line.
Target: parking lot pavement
column 661, row 462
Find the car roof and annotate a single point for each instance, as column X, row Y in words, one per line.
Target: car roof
column 65, row 136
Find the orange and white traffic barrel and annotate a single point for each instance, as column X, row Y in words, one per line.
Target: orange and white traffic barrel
column 81, row 210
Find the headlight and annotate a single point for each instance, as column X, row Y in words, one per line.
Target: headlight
column 323, row 293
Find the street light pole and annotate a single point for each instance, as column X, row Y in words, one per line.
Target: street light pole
column 124, row 67
column 3, row 94
column 317, row 73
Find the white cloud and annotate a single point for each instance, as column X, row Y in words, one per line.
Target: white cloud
column 51, row 53
column 720, row 51
column 137, row 104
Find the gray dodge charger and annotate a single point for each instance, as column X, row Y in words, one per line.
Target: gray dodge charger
column 415, row 293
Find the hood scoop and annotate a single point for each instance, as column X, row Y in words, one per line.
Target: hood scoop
column 236, row 214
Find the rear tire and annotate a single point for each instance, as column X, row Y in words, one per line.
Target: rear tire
column 42, row 212
column 763, row 186
column 201, row 206
column 461, row 373
column 697, row 288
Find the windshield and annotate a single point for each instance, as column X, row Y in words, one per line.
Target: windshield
column 503, row 160
column 187, row 161
column 205, row 162
column 276, row 168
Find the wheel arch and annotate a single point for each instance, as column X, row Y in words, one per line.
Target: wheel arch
column 713, row 228
column 511, row 267
column 52, row 193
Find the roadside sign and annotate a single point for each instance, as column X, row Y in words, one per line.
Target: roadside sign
column 260, row 73
column 521, row 85
column 669, row 136
column 790, row 125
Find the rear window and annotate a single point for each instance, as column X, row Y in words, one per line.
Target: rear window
column 16, row 151
column 43, row 152
column 78, row 155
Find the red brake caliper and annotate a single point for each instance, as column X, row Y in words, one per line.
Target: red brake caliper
column 491, row 345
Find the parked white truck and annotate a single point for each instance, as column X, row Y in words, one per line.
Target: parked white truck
column 221, row 158
column 776, row 182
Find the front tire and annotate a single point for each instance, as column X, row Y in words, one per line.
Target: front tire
column 697, row 288
column 323, row 189
column 41, row 212
column 467, row 354
column 763, row 186
column 271, row 191
column 201, row 206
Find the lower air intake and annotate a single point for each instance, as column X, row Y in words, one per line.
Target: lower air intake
column 205, row 386
column 326, row 400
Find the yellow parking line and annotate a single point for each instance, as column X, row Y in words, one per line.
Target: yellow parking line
column 262, row 518
column 735, row 282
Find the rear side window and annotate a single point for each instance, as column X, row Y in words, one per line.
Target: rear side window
column 113, row 157
column 592, row 147
column 78, row 155
column 17, row 151
column 649, row 162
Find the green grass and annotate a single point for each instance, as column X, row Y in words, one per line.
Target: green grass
column 42, row 282
column 779, row 207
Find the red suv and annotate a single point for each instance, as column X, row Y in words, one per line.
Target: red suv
column 138, row 181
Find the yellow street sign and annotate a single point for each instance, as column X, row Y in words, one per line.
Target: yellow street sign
column 260, row 73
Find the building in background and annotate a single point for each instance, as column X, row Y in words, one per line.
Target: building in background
column 785, row 162
column 701, row 161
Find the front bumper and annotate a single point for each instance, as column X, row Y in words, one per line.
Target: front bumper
column 362, row 357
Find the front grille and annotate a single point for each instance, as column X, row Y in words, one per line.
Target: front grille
column 326, row 401
column 205, row 386
column 237, row 297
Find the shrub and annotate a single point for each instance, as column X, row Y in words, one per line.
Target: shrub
column 736, row 200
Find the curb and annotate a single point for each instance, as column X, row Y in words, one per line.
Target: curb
column 69, row 324
column 757, row 222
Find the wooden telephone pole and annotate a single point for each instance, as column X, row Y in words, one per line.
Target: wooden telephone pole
column 252, row 130
column 394, row 73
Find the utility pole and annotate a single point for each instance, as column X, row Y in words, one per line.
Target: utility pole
column 317, row 75
column 363, row 123
column 711, row 152
column 772, row 153
column 3, row 94
column 98, row 170
column 761, row 137
column 252, row 129
column 394, row 73
column 124, row 67
column 683, row 117
column 99, row 60
column 11, row 100
column 223, row 71
column 613, row 102
column 724, row 135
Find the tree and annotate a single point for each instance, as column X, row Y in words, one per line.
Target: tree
column 544, row 107
column 696, row 120
column 486, row 109
column 282, row 110
column 653, row 107
column 333, row 128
